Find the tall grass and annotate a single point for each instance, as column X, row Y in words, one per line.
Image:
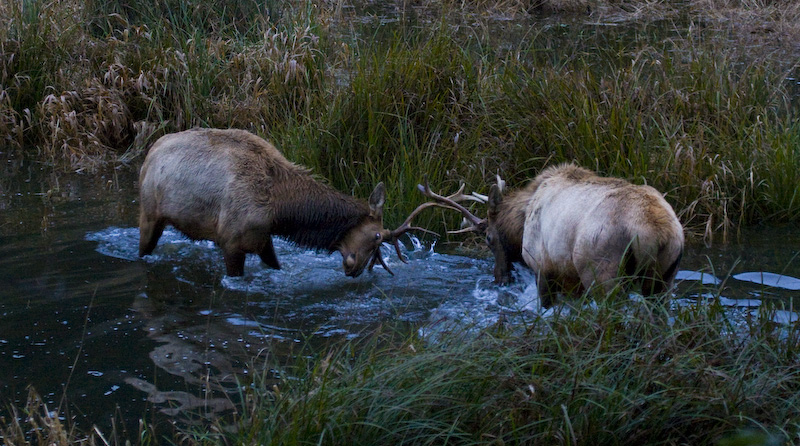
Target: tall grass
column 87, row 84
column 620, row 373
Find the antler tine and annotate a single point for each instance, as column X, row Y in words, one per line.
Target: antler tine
column 451, row 202
column 480, row 198
column 405, row 227
column 459, row 196
column 464, row 230
column 501, row 183
column 378, row 258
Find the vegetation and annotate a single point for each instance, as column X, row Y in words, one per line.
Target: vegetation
column 614, row 373
column 662, row 99
column 699, row 102
column 620, row 373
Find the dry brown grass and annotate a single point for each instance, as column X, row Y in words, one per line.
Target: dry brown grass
column 86, row 127
column 755, row 23
column 36, row 424
column 88, row 99
column 39, row 424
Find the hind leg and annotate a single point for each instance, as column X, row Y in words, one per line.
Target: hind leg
column 606, row 273
column 548, row 288
column 150, row 231
column 268, row 256
column 652, row 284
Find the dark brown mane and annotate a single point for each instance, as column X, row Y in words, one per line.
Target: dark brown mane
column 314, row 215
column 511, row 219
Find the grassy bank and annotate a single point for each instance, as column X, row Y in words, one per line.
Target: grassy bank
column 617, row 373
column 87, row 85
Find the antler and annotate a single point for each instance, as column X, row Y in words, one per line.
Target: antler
column 449, row 202
column 405, row 227
column 378, row 258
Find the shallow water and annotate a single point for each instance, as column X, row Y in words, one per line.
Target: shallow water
column 82, row 316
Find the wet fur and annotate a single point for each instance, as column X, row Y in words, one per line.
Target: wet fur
column 236, row 189
column 576, row 229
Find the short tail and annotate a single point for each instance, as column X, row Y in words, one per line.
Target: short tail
column 648, row 269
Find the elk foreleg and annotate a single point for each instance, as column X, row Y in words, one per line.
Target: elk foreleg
column 234, row 262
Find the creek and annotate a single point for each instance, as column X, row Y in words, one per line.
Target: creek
column 84, row 321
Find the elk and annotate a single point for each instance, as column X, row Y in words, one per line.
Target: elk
column 236, row 189
column 574, row 229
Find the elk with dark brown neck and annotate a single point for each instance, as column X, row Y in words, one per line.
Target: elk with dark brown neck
column 236, row 189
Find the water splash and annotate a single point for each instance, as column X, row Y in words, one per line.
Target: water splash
column 311, row 291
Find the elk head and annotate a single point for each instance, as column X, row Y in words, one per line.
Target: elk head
column 496, row 237
column 499, row 242
column 361, row 245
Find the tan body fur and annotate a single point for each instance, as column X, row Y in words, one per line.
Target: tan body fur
column 580, row 229
column 236, row 189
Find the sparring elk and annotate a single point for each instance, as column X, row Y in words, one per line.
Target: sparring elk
column 238, row 190
column 574, row 229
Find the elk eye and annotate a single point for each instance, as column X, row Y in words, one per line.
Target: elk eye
column 378, row 236
column 489, row 239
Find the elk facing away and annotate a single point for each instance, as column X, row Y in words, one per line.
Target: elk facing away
column 574, row 229
column 236, row 189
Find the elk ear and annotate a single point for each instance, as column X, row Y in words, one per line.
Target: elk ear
column 494, row 199
column 376, row 200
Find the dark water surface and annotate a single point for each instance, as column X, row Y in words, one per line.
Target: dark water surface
column 82, row 317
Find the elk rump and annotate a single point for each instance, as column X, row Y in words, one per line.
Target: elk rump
column 574, row 229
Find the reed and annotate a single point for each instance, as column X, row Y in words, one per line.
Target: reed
column 38, row 423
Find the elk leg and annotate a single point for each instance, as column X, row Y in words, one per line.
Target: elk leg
column 605, row 272
column 149, row 233
column 268, row 256
column 652, row 284
column 548, row 288
column 234, row 262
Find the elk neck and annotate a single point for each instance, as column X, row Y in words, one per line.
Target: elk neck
column 510, row 221
column 313, row 214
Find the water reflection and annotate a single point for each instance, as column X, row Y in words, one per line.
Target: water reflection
column 770, row 280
